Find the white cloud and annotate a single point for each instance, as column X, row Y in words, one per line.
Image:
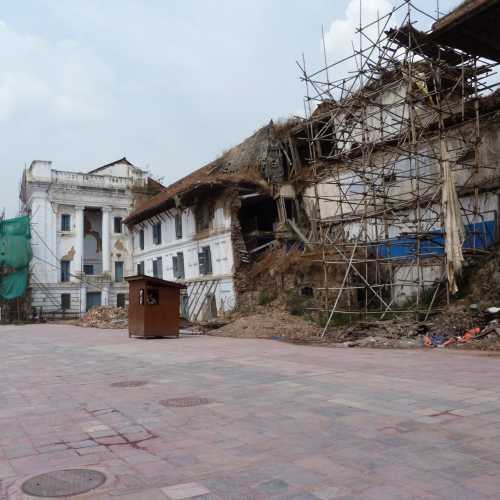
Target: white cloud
column 58, row 79
column 341, row 35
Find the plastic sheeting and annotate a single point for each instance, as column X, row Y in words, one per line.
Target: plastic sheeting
column 453, row 226
column 15, row 256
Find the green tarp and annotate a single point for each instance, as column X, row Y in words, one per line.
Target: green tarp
column 15, row 256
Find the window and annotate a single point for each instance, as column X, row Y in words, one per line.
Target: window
column 140, row 267
column 184, row 305
column 290, row 208
column 178, row 226
column 118, row 271
column 65, row 301
column 120, row 300
column 65, row 222
column 65, row 270
column 178, row 266
column 157, row 233
column 153, row 296
column 117, row 224
column 141, row 239
column 205, row 261
column 159, row 264
column 158, row 267
column 203, row 216
column 88, row 269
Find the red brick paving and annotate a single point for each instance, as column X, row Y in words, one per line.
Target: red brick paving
column 284, row 421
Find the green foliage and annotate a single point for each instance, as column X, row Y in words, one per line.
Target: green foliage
column 265, row 297
column 297, row 304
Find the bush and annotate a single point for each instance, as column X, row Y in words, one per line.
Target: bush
column 296, row 303
column 265, row 297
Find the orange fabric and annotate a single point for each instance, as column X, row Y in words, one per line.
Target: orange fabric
column 427, row 342
column 469, row 335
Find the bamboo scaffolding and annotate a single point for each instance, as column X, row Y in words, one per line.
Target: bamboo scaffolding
column 375, row 141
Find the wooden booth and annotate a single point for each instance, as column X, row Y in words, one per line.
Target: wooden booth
column 153, row 307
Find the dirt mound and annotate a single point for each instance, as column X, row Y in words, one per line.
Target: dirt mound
column 270, row 324
column 104, row 317
column 482, row 281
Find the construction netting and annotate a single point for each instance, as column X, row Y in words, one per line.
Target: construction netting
column 15, row 256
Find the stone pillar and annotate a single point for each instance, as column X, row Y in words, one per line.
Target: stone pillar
column 105, row 235
column 83, row 298
column 105, row 296
column 77, row 264
column 53, row 222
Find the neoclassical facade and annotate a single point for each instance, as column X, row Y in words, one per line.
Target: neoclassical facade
column 81, row 248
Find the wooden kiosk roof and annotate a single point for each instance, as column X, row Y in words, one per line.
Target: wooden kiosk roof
column 155, row 281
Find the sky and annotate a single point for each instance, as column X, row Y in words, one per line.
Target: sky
column 168, row 84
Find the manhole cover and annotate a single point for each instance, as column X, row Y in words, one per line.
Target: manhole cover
column 129, row 383
column 63, row 483
column 186, row 401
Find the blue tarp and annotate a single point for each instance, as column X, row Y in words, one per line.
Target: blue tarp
column 479, row 235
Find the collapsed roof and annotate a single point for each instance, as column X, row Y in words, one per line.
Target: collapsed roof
column 247, row 164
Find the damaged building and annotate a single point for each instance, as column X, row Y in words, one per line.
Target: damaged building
column 209, row 227
column 405, row 158
column 81, row 250
column 386, row 188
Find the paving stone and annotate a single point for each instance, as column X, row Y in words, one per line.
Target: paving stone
column 288, row 421
column 300, row 496
column 187, row 490
column 6, row 470
column 273, row 487
column 331, row 492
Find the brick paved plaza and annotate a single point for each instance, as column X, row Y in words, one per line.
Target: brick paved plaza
column 271, row 420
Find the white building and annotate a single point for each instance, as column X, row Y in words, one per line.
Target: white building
column 81, row 249
column 192, row 245
column 204, row 229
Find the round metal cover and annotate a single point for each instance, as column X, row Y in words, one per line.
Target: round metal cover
column 129, row 383
column 185, row 402
column 63, row 483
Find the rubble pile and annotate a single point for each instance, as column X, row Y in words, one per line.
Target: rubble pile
column 382, row 334
column 456, row 319
column 104, row 317
column 465, row 326
column 274, row 324
column 483, row 281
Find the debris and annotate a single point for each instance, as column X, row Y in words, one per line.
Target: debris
column 380, row 334
column 104, row 317
column 493, row 310
column 449, row 342
column 469, row 335
column 271, row 324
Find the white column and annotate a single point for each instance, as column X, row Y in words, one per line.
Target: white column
column 105, row 296
column 77, row 264
column 105, row 235
column 129, row 254
column 52, row 243
column 83, row 299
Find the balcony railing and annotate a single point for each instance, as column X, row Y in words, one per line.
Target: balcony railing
column 102, row 181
